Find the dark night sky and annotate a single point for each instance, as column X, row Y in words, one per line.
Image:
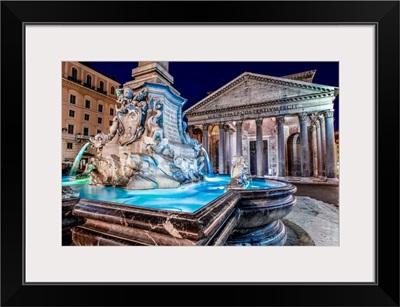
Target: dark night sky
column 194, row 79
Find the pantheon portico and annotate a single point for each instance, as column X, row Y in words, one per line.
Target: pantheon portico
column 283, row 126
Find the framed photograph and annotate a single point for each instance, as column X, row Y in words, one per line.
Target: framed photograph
column 40, row 39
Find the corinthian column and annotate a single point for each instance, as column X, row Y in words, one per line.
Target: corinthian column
column 221, row 149
column 259, row 148
column 305, row 149
column 319, row 148
column 239, row 138
column 330, row 145
column 281, row 146
column 323, row 144
column 205, row 136
column 227, row 150
column 314, row 150
column 205, row 143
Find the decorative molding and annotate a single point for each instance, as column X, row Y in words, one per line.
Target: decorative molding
column 321, row 119
column 88, row 89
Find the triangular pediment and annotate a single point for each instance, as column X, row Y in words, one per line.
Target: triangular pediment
column 252, row 89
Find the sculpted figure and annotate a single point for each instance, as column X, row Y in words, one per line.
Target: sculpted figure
column 239, row 171
column 136, row 152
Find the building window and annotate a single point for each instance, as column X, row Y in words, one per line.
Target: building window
column 86, row 131
column 111, row 111
column 74, row 74
column 98, row 131
column 69, row 145
column 87, row 104
column 71, row 113
column 101, row 85
column 112, row 90
column 72, row 99
column 100, row 108
column 89, row 80
column 110, row 122
column 99, row 120
column 86, row 117
column 71, row 129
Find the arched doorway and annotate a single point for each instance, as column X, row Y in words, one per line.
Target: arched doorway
column 294, row 155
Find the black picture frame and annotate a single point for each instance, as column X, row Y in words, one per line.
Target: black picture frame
column 383, row 14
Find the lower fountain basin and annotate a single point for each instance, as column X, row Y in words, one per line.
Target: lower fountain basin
column 248, row 216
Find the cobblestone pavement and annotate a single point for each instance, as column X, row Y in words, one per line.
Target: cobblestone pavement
column 315, row 223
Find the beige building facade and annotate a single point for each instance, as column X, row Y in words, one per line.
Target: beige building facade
column 88, row 107
column 283, row 126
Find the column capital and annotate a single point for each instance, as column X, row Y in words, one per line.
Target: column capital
column 316, row 124
column 221, row 125
column 302, row 116
column 313, row 115
column 328, row 113
column 321, row 119
column 238, row 124
column 280, row 119
column 205, row 126
column 259, row 121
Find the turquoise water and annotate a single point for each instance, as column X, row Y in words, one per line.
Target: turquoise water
column 187, row 198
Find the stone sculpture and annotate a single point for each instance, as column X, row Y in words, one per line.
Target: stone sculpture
column 239, row 171
column 147, row 146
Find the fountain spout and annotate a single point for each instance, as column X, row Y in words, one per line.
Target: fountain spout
column 209, row 169
column 78, row 158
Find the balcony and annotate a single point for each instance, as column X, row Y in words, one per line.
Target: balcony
column 79, row 137
column 73, row 79
column 89, row 86
column 100, row 90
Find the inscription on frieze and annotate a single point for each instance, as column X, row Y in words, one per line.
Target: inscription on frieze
column 254, row 111
column 170, row 121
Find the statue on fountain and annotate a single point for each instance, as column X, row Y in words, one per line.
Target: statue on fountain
column 239, row 171
column 147, row 146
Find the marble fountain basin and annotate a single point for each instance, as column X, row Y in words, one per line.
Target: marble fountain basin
column 196, row 214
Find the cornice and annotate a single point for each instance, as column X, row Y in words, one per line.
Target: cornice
column 301, row 75
column 95, row 72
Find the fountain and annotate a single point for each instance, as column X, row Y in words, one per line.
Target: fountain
column 148, row 185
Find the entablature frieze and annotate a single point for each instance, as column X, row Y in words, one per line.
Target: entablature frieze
column 283, row 104
column 253, row 112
